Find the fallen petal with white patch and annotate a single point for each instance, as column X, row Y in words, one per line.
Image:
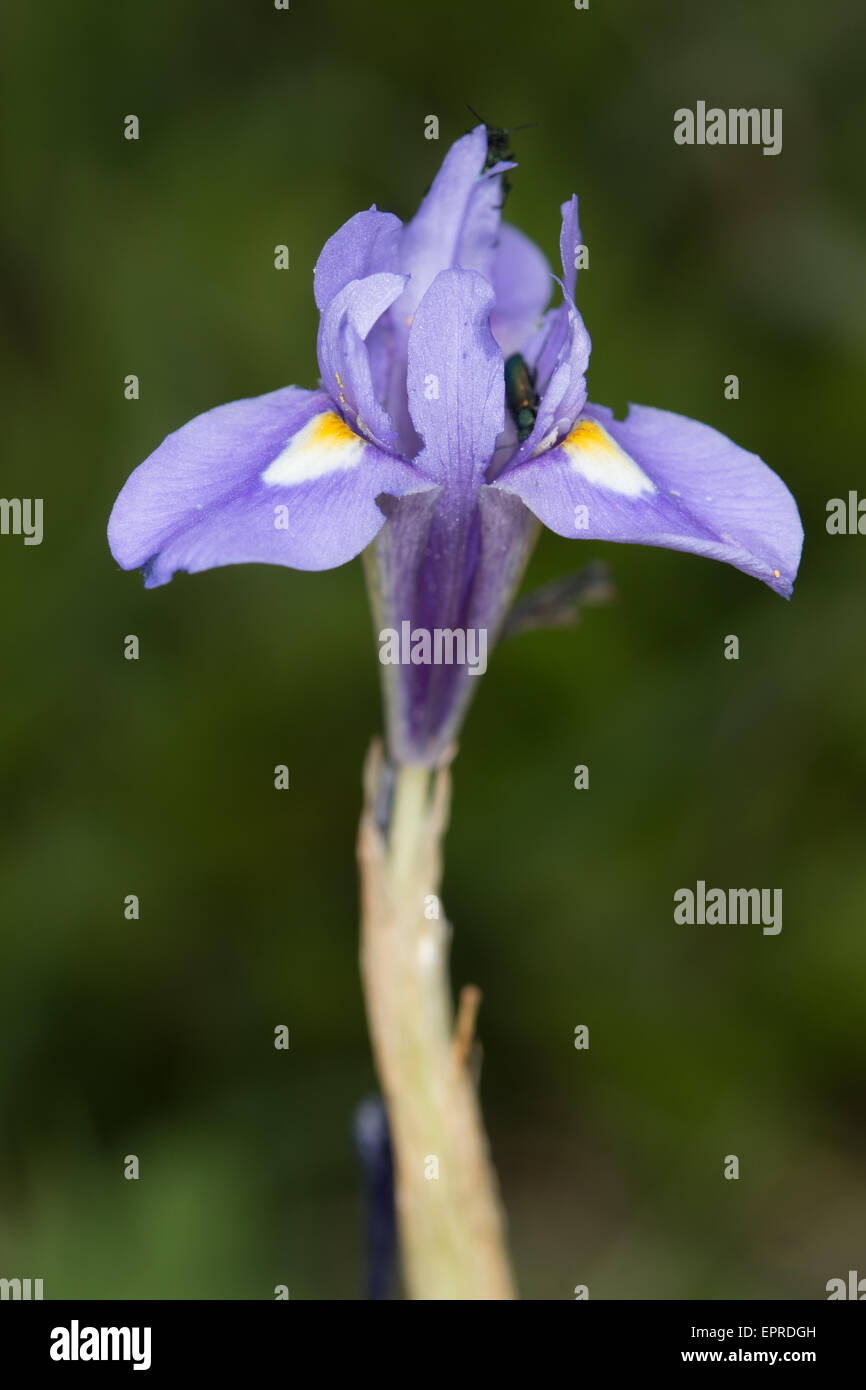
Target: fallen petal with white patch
column 661, row 479
column 280, row 479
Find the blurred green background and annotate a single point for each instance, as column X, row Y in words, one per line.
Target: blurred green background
column 155, row 777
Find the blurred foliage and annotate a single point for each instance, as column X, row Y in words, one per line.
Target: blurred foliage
column 155, row 1037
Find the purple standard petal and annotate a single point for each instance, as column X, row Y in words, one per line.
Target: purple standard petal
column 545, row 349
column 479, row 234
column 522, row 281
column 279, row 479
column 456, row 224
column 344, row 361
column 569, row 243
column 558, row 356
column 366, row 244
column 660, row 479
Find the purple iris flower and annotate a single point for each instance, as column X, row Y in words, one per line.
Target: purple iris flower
column 412, row 452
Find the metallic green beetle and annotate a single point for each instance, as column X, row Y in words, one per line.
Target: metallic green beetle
column 520, row 395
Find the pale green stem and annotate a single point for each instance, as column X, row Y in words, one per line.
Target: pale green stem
column 451, row 1224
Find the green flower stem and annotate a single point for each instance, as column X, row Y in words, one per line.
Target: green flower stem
column 451, row 1223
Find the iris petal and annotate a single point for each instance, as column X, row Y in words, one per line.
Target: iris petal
column 366, row 244
column 344, row 359
column 456, row 379
column 279, row 479
column 661, row 479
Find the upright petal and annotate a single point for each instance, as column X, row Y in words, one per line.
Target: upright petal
column 569, row 243
column 479, row 235
column 457, row 225
column 545, row 347
column 558, row 355
column 522, row 281
column 436, row 238
column 366, row 244
column 456, row 380
column 279, row 479
column 661, row 479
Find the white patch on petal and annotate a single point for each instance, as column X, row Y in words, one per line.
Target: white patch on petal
column 599, row 459
column 325, row 445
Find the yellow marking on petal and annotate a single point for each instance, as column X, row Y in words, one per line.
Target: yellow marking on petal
column 325, row 445
column 600, row 460
column 776, row 574
column 331, row 430
column 340, row 386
